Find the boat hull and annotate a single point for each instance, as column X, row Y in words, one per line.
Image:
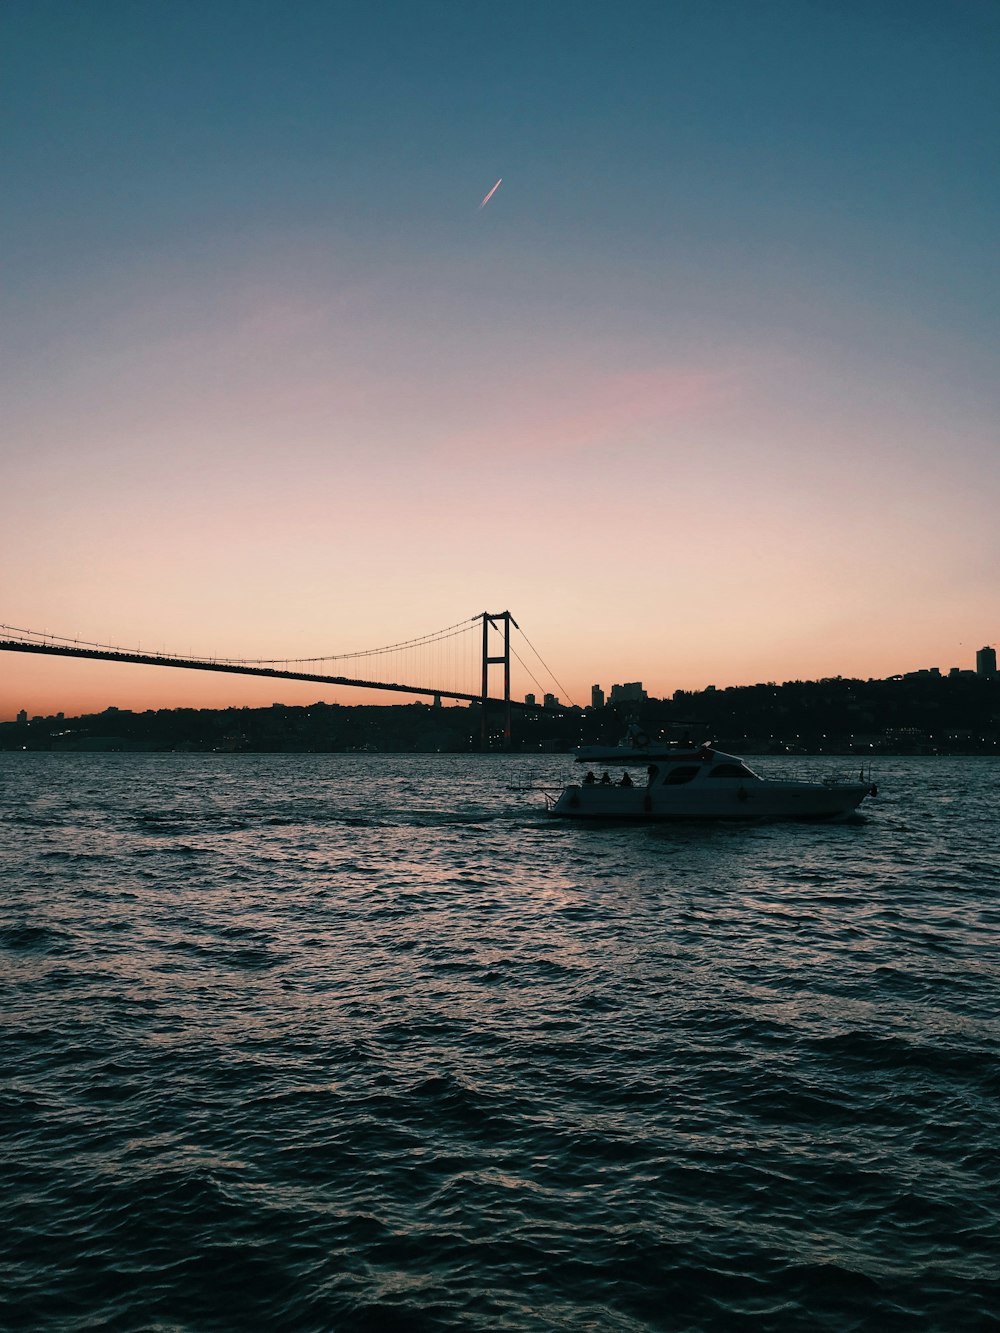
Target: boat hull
column 758, row 800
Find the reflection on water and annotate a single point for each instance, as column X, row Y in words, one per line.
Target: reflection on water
column 368, row 1042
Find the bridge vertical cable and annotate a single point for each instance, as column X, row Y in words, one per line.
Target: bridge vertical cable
column 448, row 661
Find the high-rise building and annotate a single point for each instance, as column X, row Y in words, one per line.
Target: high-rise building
column 550, row 701
column 986, row 662
column 529, row 699
column 596, row 696
column 630, row 693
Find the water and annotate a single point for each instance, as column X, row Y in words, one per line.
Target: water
column 364, row 1042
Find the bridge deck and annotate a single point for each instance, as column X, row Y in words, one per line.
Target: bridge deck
column 237, row 669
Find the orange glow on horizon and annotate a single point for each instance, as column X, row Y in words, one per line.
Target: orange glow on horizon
column 45, row 686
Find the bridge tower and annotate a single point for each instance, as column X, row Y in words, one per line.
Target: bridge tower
column 494, row 620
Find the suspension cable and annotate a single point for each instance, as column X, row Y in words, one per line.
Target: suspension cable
column 424, row 640
column 538, row 684
column 562, row 690
column 450, row 631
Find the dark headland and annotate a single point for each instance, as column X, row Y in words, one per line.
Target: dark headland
column 919, row 713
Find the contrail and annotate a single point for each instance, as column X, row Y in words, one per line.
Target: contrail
column 490, row 193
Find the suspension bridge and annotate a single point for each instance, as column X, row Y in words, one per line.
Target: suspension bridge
column 465, row 655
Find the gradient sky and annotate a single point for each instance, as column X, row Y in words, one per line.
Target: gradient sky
column 707, row 393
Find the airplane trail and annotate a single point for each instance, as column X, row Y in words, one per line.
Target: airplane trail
column 489, row 194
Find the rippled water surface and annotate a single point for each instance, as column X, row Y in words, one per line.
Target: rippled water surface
column 365, row 1042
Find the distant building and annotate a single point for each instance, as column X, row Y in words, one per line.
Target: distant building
column 530, row 700
column 630, row 693
column 986, row 662
column 550, row 701
column 596, row 696
column 22, row 716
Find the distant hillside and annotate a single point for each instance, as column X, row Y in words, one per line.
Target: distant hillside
column 922, row 713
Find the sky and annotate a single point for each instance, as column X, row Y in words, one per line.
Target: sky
column 706, row 393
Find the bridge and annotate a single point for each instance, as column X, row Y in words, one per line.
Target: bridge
column 466, row 652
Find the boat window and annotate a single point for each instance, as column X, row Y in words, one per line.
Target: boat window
column 682, row 774
column 730, row 771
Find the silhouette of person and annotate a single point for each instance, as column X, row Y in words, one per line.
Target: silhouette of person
column 626, row 781
column 589, row 778
column 605, row 779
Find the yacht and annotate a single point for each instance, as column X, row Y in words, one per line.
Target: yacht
column 694, row 782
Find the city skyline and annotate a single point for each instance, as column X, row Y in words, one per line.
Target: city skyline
column 705, row 393
column 618, row 694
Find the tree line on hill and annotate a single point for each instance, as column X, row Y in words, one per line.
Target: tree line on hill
column 918, row 713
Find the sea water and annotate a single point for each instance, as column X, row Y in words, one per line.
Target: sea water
column 368, row 1042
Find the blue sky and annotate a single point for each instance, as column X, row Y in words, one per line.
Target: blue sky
column 742, row 263
column 800, row 125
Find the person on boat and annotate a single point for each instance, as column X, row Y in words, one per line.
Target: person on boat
column 589, row 778
column 605, row 779
column 626, row 781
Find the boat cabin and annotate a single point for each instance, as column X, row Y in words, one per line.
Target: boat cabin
column 680, row 771
column 668, row 765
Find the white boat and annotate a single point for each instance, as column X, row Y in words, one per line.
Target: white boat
column 695, row 782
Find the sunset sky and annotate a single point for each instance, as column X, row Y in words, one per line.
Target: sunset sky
column 706, row 393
